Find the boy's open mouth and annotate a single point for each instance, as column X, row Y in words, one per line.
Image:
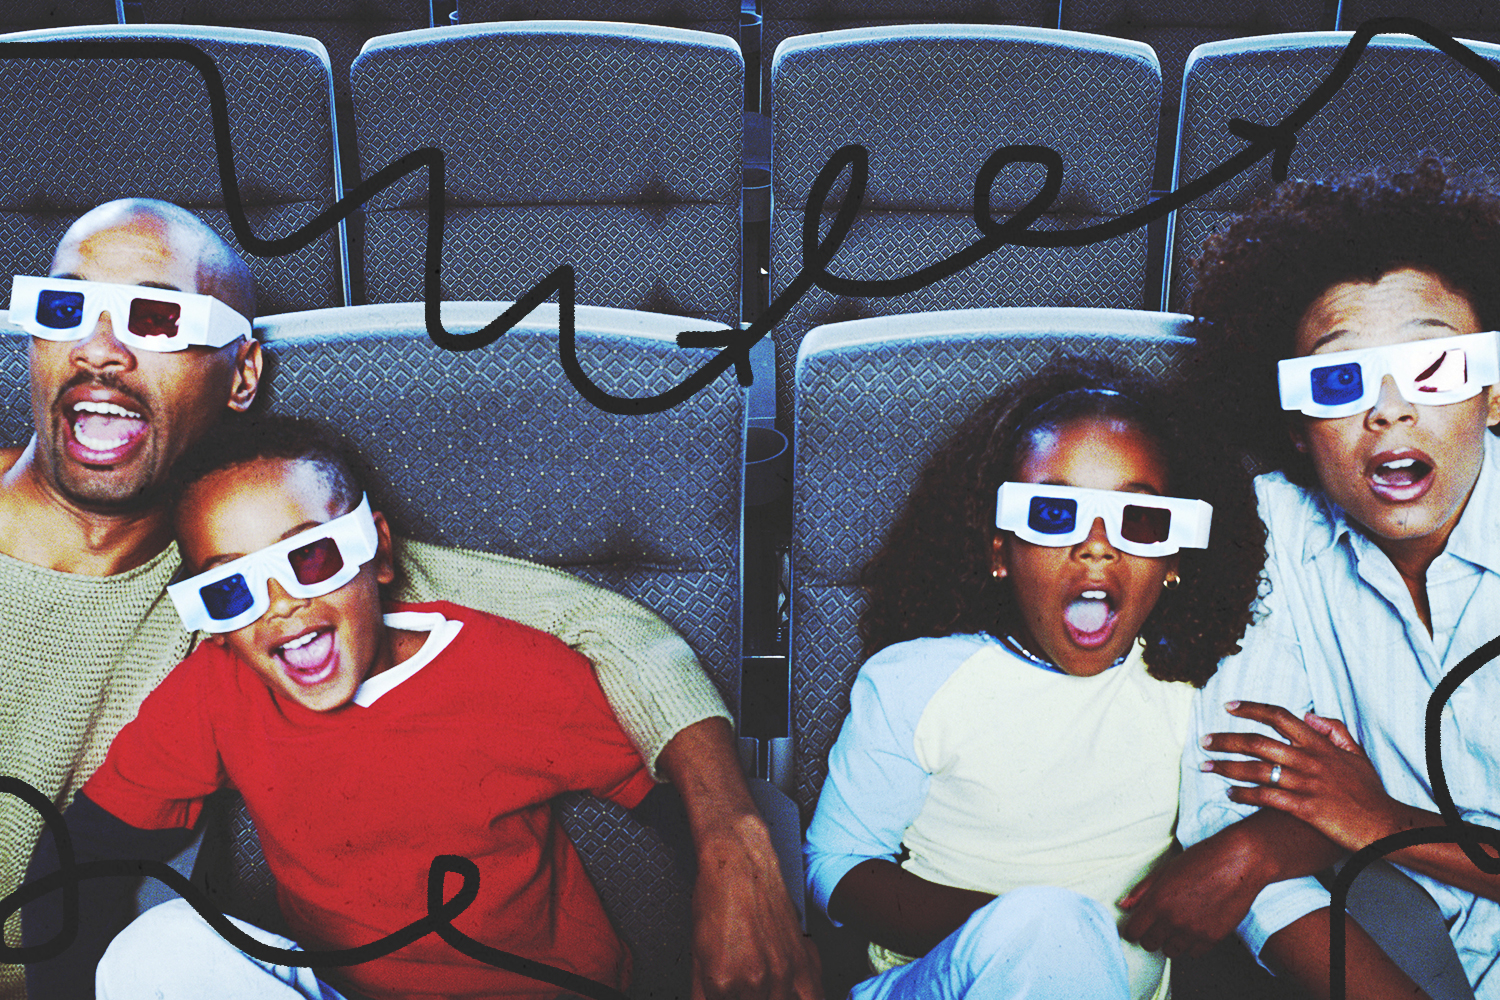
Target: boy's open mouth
column 1090, row 618
column 1401, row 476
column 103, row 433
column 309, row 658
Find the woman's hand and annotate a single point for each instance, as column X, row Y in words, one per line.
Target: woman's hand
column 1319, row 775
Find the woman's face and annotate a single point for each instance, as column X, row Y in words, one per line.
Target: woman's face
column 1082, row 606
column 1402, row 470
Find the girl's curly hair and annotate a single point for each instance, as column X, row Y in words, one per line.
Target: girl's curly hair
column 1256, row 279
column 932, row 575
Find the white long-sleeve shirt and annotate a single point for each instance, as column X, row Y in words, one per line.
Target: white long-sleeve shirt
column 1341, row 637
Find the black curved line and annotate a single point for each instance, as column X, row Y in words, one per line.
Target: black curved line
column 440, row 912
column 1455, row 829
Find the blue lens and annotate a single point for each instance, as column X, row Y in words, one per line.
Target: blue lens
column 59, row 310
column 226, row 598
column 1337, row 384
column 1052, row 515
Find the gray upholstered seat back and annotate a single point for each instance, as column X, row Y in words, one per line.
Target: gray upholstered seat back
column 874, row 399
column 1403, row 97
column 931, row 103
column 611, row 147
column 76, row 134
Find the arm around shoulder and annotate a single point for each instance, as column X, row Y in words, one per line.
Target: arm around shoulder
column 648, row 673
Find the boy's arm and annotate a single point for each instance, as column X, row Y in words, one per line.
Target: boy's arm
column 105, row 905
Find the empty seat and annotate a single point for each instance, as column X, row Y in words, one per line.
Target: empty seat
column 931, row 103
column 79, row 133
column 1460, row 18
column 1403, row 97
column 614, row 148
column 1175, row 27
column 785, row 18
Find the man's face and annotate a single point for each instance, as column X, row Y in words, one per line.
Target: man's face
column 1402, row 470
column 110, row 421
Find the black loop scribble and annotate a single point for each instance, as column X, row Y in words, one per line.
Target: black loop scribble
column 439, row 918
column 1277, row 140
column 1455, row 829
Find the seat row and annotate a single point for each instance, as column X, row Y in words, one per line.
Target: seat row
column 616, row 148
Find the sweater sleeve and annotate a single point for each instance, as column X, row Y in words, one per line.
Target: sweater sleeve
column 648, row 673
column 105, row 905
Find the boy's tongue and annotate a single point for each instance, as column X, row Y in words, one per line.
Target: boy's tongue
column 107, row 428
column 310, row 656
column 1087, row 614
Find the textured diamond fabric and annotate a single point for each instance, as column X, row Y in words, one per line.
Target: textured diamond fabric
column 612, row 147
column 77, row 134
column 1403, row 97
column 15, row 385
column 785, row 18
column 930, row 105
column 889, row 398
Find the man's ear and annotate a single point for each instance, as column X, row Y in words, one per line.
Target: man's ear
column 248, row 361
column 997, row 557
column 385, row 560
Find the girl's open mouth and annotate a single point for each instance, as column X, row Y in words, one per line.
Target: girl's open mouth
column 1090, row 619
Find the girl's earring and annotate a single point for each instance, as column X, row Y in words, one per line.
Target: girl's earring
column 1172, row 581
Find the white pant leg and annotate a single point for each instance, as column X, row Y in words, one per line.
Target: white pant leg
column 169, row 952
column 1034, row 943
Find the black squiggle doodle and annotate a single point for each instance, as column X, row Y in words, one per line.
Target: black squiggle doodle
column 439, row 919
column 1277, row 140
column 1455, row 829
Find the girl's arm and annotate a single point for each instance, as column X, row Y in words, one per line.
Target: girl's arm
column 875, row 789
column 904, row 912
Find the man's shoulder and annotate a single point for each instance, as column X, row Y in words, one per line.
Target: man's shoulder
column 496, row 632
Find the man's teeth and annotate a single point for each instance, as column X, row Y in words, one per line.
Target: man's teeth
column 108, row 409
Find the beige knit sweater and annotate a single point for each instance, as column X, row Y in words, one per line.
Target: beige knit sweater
column 82, row 652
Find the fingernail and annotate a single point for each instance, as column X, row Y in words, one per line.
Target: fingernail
column 1231, row 705
column 1207, row 741
column 1207, row 765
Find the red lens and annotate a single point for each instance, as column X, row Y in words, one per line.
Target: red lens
column 316, row 561
column 1146, row 525
column 151, row 318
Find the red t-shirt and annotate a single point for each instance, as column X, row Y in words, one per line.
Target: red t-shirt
column 352, row 805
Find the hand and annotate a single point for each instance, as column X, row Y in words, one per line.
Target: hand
column 747, row 944
column 1192, row 901
column 1326, row 780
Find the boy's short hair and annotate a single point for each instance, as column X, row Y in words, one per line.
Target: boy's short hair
column 1257, row 277
column 241, row 439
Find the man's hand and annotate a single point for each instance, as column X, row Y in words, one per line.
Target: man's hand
column 1191, row 902
column 1324, row 777
column 747, row 944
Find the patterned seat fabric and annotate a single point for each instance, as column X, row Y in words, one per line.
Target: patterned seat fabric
column 931, row 104
column 1403, row 97
column 81, row 133
column 614, row 148
column 889, row 390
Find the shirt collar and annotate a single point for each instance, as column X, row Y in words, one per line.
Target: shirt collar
column 1472, row 539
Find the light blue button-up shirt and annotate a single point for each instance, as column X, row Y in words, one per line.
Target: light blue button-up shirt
column 1341, row 637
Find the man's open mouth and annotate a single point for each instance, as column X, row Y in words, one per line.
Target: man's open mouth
column 104, row 433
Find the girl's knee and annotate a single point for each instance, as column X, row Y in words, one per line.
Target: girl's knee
column 156, row 943
column 1041, row 915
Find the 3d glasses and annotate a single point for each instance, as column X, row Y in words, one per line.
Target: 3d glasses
column 1142, row 524
column 311, row 563
column 1430, row 372
column 151, row 319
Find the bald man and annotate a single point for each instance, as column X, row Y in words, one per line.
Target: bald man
column 86, row 552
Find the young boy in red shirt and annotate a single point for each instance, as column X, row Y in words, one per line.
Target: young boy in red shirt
column 365, row 740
